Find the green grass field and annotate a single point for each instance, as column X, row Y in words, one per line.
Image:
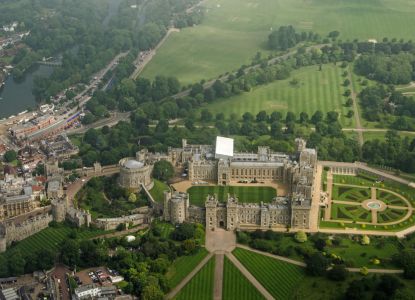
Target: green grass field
column 236, row 286
column 234, row 30
column 201, row 285
column 157, row 192
column 246, row 194
column 183, row 266
column 279, row 278
column 317, row 90
column 50, row 238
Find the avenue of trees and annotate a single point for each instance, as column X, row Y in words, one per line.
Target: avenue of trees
column 285, row 38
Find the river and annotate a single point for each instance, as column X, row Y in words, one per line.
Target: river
column 17, row 95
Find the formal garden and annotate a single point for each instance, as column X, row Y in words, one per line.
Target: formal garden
column 367, row 202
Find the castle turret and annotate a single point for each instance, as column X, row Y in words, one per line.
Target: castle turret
column 211, row 216
column 232, row 213
column 58, row 210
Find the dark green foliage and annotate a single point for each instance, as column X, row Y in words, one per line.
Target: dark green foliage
column 163, row 170
column 184, row 231
column 317, row 264
column 286, row 37
column 10, row 156
column 338, row 273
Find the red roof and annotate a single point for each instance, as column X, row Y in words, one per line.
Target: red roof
column 41, row 179
column 37, row 188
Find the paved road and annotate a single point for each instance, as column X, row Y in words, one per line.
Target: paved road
column 250, row 277
column 183, row 283
column 218, row 281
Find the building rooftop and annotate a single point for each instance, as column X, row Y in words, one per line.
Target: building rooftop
column 133, row 164
column 224, row 147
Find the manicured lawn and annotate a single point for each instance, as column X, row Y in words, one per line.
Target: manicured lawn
column 50, row 238
column 279, row 278
column 234, row 30
column 183, row 266
column 317, row 90
column 348, row 193
column 246, row 194
column 200, row 287
column 157, row 192
column 236, row 286
column 165, row 228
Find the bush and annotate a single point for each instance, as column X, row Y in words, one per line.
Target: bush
column 365, row 240
column 300, row 236
column 338, row 273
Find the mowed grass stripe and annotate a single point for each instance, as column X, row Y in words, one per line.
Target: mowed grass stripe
column 183, row 266
column 314, row 92
column 200, row 287
column 279, row 278
column 236, row 286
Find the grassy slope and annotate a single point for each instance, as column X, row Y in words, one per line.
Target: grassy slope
column 236, row 286
column 279, row 278
column 50, row 238
column 234, row 30
column 201, row 285
column 183, row 266
column 246, row 194
column 158, row 190
column 317, row 90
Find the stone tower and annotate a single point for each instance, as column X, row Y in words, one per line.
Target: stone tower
column 232, row 213
column 211, row 206
column 59, row 209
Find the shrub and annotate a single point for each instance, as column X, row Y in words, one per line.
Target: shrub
column 365, row 240
column 300, row 236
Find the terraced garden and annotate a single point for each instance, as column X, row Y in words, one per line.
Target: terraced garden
column 182, row 266
column 200, row 287
column 236, row 286
column 279, row 278
column 247, row 194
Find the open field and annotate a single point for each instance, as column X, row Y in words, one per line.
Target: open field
column 247, row 194
column 317, row 90
column 201, row 285
column 50, row 238
column 234, row 30
column 236, row 286
column 279, row 278
column 182, row 266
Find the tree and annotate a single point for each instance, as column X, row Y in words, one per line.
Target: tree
column 163, row 170
column 317, row 117
column 262, row 116
column 338, row 273
column 10, row 156
column 349, row 102
column 70, row 253
column 365, row 240
column 304, row 117
column 16, row 263
column 317, row 264
column 152, row 292
column 189, row 245
column 132, row 197
column 332, row 116
column 206, row 115
column 4, row 269
column 300, row 236
column 350, row 114
column 184, row 231
column 407, row 261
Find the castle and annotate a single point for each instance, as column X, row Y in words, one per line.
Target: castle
column 225, row 167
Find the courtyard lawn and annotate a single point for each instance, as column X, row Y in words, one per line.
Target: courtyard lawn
column 165, row 228
column 348, row 193
column 345, row 212
column 236, row 286
column 281, row 279
column 234, row 30
column 317, row 90
column 182, row 266
column 245, row 194
column 157, row 192
column 200, row 287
